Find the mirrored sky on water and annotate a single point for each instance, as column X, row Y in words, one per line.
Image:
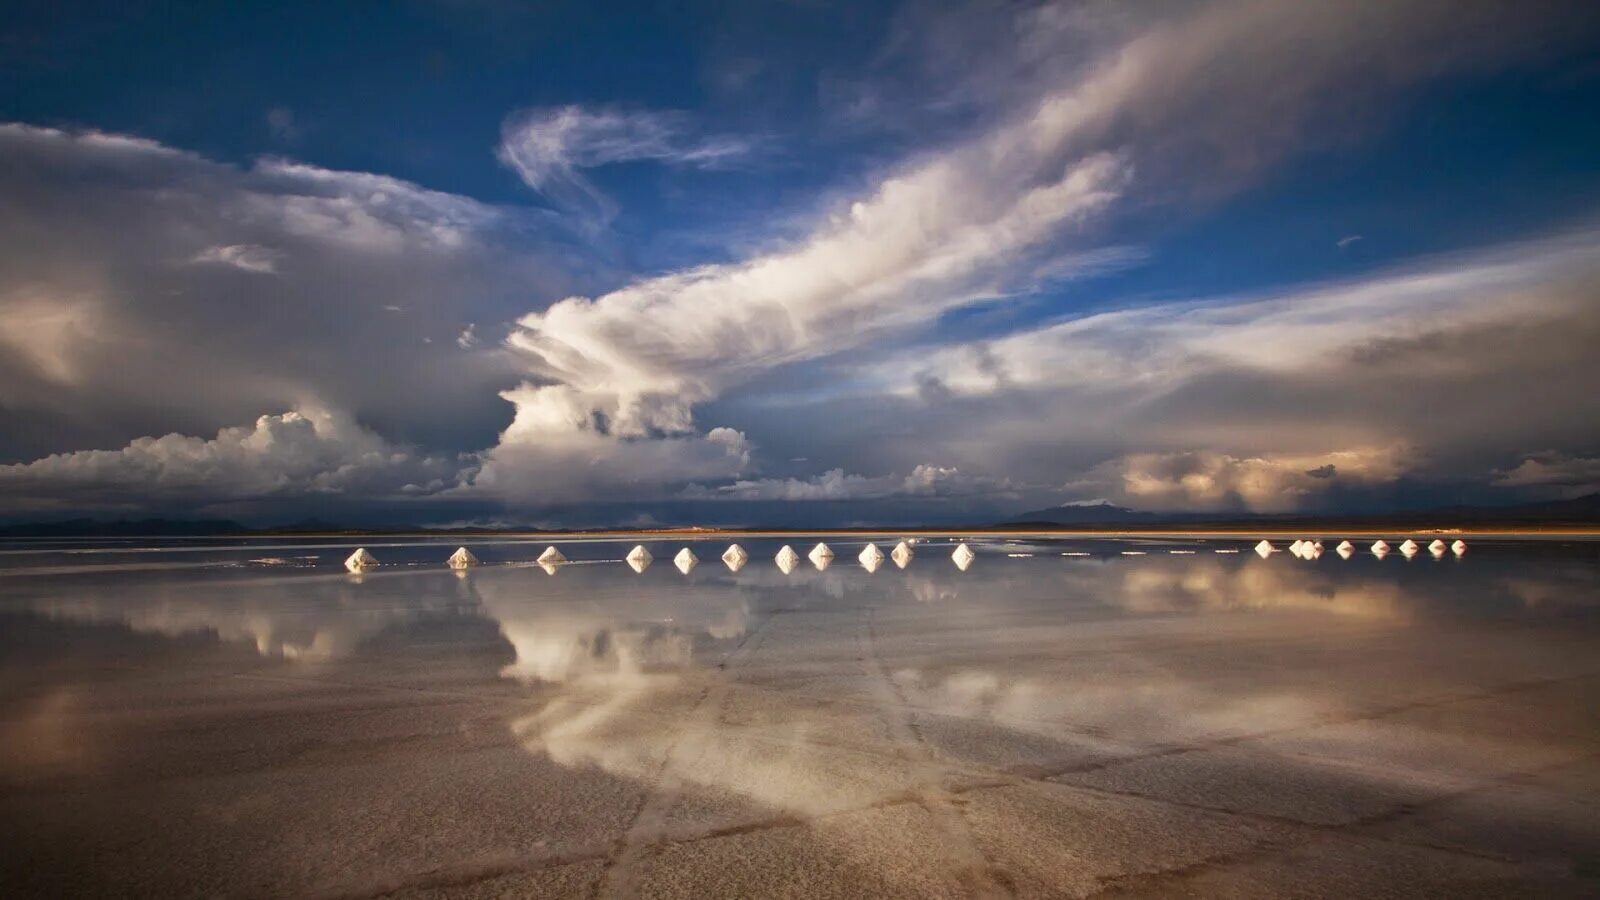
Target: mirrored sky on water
column 598, row 729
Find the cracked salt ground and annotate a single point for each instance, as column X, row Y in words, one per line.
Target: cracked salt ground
column 1215, row 725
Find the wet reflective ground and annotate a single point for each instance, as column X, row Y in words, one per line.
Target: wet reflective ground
column 202, row 720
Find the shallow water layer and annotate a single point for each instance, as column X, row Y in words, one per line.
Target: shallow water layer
column 1062, row 718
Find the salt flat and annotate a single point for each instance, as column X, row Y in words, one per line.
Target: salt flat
column 1204, row 724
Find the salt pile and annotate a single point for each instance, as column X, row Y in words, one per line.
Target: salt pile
column 1408, row 549
column 1437, row 548
column 821, row 555
column 360, row 559
column 1459, row 547
column 901, row 554
column 1264, row 549
column 685, row 560
column 462, row 559
column 787, row 559
column 551, row 556
column 639, row 558
column 963, row 557
column 1380, row 548
column 734, row 557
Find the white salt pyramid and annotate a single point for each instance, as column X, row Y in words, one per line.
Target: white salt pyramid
column 360, row 560
column 1437, row 548
column 1295, row 547
column 685, row 560
column 964, row 557
column 1409, row 547
column 734, row 557
column 1345, row 550
column 551, row 556
column 787, row 559
column 1459, row 547
column 639, row 558
column 870, row 551
column 1264, row 549
column 1380, row 548
column 872, row 563
column 901, row 554
column 462, row 559
column 819, row 553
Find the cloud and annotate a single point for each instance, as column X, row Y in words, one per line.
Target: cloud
column 1211, row 480
column 923, row 481
column 1347, row 240
column 126, row 267
column 304, row 452
column 1564, row 475
column 548, row 147
column 248, row 257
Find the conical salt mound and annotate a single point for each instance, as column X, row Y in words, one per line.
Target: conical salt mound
column 1459, row 547
column 1346, row 550
column 685, row 560
column 1437, row 548
column 871, row 552
column 872, row 563
column 1409, row 546
column 462, row 559
column 551, row 556
column 901, row 554
column 734, row 557
column 1295, row 547
column 639, row 558
column 1264, row 549
column 1380, row 546
column 819, row 553
column 1345, row 545
column 360, row 559
column 787, row 559
column 963, row 557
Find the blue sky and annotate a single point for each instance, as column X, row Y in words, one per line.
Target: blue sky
column 798, row 262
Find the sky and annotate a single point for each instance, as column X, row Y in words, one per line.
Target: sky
column 445, row 262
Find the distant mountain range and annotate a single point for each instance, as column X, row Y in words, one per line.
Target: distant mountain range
column 1580, row 511
column 1583, row 510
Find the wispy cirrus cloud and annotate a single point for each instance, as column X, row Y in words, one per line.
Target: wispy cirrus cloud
column 550, row 147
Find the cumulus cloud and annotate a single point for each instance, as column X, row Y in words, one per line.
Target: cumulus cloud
column 309, row 451
column 1210, row 480
column 923, row 481
column 126, row 267
column 1555, row 472
column 549, row 148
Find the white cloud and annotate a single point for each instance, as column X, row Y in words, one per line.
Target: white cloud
column 249, row 257
column 309, row 451
column 923, row 481
column 549, row 146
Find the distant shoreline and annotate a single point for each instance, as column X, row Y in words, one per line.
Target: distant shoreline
column 1229, row 531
